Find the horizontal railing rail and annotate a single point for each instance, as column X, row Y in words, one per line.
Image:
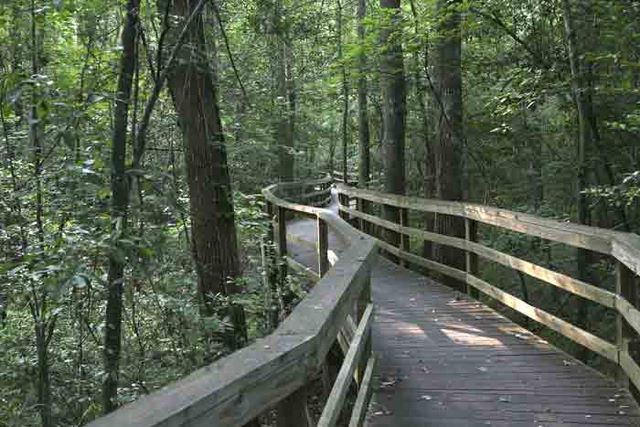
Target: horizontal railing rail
column 623, row 247
column 312, row 192
column 275, row 372
column 338, row 176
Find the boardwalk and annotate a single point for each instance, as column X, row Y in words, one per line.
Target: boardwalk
column 445, row 360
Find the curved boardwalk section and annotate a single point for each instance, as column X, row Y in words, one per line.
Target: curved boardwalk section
column 446, row 360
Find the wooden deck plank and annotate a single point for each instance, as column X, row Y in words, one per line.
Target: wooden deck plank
column 445, row 360
column 499, row 373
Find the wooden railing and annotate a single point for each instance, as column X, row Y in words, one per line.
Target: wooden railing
column 312, row 192
column 275, row 371
column 623, row 247
column 338, row 176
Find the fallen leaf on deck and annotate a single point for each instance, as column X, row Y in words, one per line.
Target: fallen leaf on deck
column 382, row 411
column 390, row 383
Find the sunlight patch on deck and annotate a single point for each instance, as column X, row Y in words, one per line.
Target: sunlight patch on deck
column 470, row 339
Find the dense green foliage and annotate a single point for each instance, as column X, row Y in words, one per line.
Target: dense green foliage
column 520, row 145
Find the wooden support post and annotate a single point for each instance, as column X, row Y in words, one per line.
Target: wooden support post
column 323, row 247
column 282, row 242
column 347, row 203
column 268, row 210
column 471, row 235
column 625, row 287
column 343, row 199
column 360, row 208
column 282, row 231
column 293, row 411
column 271, row 270
column 405, row 244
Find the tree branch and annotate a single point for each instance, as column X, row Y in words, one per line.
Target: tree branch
column 511, row 33
column 216, row 11
column 138, row 149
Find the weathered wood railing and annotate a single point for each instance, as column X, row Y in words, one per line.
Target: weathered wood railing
column 275, row 371
column 623, row 247
column 338, row 176
column 312, row 192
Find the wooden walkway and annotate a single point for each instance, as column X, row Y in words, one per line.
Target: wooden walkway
column 446, row 360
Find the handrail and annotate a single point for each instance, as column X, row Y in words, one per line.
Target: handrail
column 314, row 192
column 236, row 389
column 624, row 247
column 338, row 176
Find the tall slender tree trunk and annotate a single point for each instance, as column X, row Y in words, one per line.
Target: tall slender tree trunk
column 291, row 112
column 592, row 157
column 364, row 169
column 581, row 95
column 44, row 381
column 284, row 95
column 448, row 143
column 594, row 163
column 345, row 99
column 215, row 248
column 119, row 207
column 39, row 299
column 421, row 59
column 394, row 110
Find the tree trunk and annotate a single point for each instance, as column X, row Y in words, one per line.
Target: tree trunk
column 44, row 383
column 421, row 72
column 364, row 170
column 119, row 207
column 345, row 100
column 215, row 250
column 38, row 303
column 580, row 91
column 394, row 111
column 284, row 94
column 448, row 143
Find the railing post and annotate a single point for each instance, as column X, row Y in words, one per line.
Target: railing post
column 360, row 208
column 282, row 231
column 268, row 210
column 282, row 242
column 323, row 247
column 270, row 266
column 471, row 235
column 343, row 199
column 405, row 244
column 625, row 287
